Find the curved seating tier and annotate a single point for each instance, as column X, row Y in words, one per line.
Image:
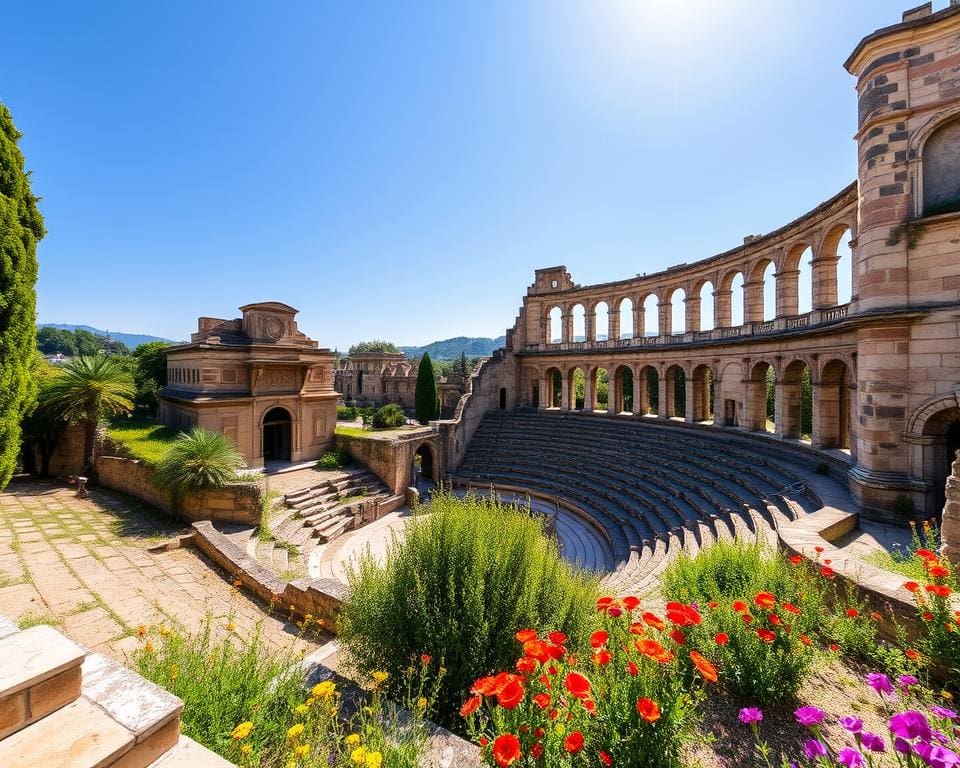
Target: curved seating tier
column 654, row 489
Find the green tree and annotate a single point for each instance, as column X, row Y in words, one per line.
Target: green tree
column 21, row 228
column 389, row 416
column 376, row 345
column 41, row 429
column 112, row 346
column 88, row 390
column 52, row 341
column 88, row 344
column 151, row 374
column 425, row 395
column 197, row 461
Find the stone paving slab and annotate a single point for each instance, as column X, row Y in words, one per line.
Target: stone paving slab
column 82, row 565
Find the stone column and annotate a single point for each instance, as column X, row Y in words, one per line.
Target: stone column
column 787, row 408
column 692, row 313
column 753, row 309
column 542, row 394
column 722, row 316
column 568, row 326
column 564, row 392
column 641, row 392
column 639, row 318
column 755, row 407
column 950, row 524
column 691, row 394
column 825, row 282
column 613, row 391
column 665, row 318
column 589, row 325
column 662, row 396
column 613, row 325
column 826, row 416
column 788, row 296
column 588, row 404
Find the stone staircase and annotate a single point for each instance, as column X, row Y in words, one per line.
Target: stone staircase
column 315, row 514
column 62, row 707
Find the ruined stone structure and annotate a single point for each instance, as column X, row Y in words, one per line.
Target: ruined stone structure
column 259, row 381
column 884, row 367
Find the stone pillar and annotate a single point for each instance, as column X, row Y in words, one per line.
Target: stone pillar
column 589, row 325
column 826, row 416
column 753, row 304
column 613, row 391
column 639, row 318
column 588, row 404
column 665, row 318
column 641, row 392
column 722, row 316
column 692, row 313
column 788, row 293
column 568, row 326
column 662, row 396
column 564, row 393
column 542, row 395
column 950, row 524
column 825, row 282
column 755, row 405
column 787, row 408
column 613, row 325
column 691, row 398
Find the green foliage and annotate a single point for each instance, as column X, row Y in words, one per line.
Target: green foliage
column 735, row 570
column 425, row 395
column 458, row 585
column 52, row 341
column 450, row 349
column 21, row 228
column 334, row 460
column 196, row 461
column 388, row 417
column 41, row 429
column 86, row 391
column 653, row 389
column 150, row 375
column 347, row 412
column 142, row 439
column 376, row 345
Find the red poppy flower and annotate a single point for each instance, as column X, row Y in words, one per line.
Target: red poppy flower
column 678, row 637
column 765, row 600
column 636, row 628
column 485, row 686
column 506, row 750
column 766, row 635
column 940, row 590
column 573, row 743
column 805, row 640
column 470, row 706
column 704, row 666
column 648, row 710
column 589, row 705
column 875, row 616
column 721, row 638
column 605, row 758
column 774, row 619
column 747, row 618
column 927, row 616
column 818, row 550
column 926, row 554
column 911, row 586
column 577, row 685
column 939, row 572
column 630, row 603
column 834, row 647
column 538, row 732
column 791, row 608
column 913, row 654
column 526, row 635
column 536, row 750
column 852, row 613
column 525, row 665
column 602, row 657
column 604, row 602
column 826, row 572
column 425, row 658
column 796, row 559
column 510, row 695
column 598, row 639
column 557, row 638
column 633, row 669
column 739, row 606
column 712, row 604
column 542, row 700
column 653, row 620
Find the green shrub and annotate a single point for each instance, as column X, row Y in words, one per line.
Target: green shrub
column 389, row 416
column 347, row 412
column 732, row 580
column 198, row 460
column 467, row 574
column 336, row 459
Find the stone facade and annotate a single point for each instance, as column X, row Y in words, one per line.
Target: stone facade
column 259, row 381
column 884, row 369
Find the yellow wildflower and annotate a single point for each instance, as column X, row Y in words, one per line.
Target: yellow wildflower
column 422, row 702
column 380, row 676
column 294, row 730
column 302, row 709
column 302, row 751
column 246, row 749
column 231, row 626
column 359, row 755
column 148, row 647
column 374, row 760
column 174, row 671
column 163, row 631
column 141, row 630
column 324, row 689
column 352, row 739
column 242, row 730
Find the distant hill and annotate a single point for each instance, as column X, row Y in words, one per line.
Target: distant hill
column 132, row 340
column 450, row 349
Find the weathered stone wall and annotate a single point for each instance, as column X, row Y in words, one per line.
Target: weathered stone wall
column 390, row 457
column 67, row 458
column 239, row 503
column 950, row 524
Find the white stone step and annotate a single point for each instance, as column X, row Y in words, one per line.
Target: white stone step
column 188, row 754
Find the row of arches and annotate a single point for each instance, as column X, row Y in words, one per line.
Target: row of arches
column 800, row 284
column 799, row 400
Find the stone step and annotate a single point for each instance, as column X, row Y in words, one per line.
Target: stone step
column 39, row 674
column 149, row 713
column 186, row 753
column 333, row 528
column 79, row 735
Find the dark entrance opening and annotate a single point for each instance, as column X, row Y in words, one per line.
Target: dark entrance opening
column 423, row 462
column 276, row 435
column 503, row 398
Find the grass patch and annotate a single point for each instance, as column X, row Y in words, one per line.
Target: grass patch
column 360, row 432
column 142, row 439
column 36, row 620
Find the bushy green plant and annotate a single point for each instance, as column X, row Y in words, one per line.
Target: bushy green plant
column 335, row 459
column 197, row 461
column 425, row 394
column 347, row 412
column 389, row 416
column 466, row 575
column 751, row 595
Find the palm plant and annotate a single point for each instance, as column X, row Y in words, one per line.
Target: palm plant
column 87, row 390
column 198, row 460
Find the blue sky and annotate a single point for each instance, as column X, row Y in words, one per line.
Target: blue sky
column 398, row 170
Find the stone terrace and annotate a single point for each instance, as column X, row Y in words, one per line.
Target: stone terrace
column 83, row 566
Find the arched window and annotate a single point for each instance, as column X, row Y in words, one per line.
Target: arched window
column 556, row 325
column 941, row 170
column 770, row 292
column 706, row 306
column 679, row 308
column 651, row 320
column 601, row 322
column 736, row 300
column 626, row 319
column 579, row 323
column 805, row 283
column 844, row 268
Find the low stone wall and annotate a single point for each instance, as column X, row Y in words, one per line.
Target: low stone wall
column 239, row 503
column 881, row 590
column 390, row 456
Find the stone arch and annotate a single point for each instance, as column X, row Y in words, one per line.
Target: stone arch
column 554, row 388
column 601, row 321
column 577, row 387
column 532, row 393
column 794, row 403
column 674, row 391
column 729, row 394
column 940, row 166
column 678, row 317
column 651, row 315
column 729, row 300
column 600, row 388
column 622, row 389
column 701, row 394
column 933, row 433
column 646, row 390
column 759, row 408
column 425, row 464
column 276, row 430
column 837, row 258
column 625, row 310
column 832, row 405
column 789, row 281
column 555, row 327
column 705, row 291
column 578, row 323
column 761, row 291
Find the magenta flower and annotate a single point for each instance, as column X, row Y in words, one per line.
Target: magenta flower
column 851, row 723
column 814, row 748
column 880, row 683
column 910, row 725
column 943, row 713
column 907, row 680
column 873, row 742
column 809, row 716
column 936, row 756
column 850, row 758
column 749, row 715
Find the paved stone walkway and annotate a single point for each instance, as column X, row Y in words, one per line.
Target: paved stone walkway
column 83, row 566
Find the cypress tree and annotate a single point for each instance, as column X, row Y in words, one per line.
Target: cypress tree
column 21, row 227
column 425, row 397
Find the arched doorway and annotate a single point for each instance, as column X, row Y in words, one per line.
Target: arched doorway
column 944, row 429
column 423, row 464
column 503, row 398
column 277, row 433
